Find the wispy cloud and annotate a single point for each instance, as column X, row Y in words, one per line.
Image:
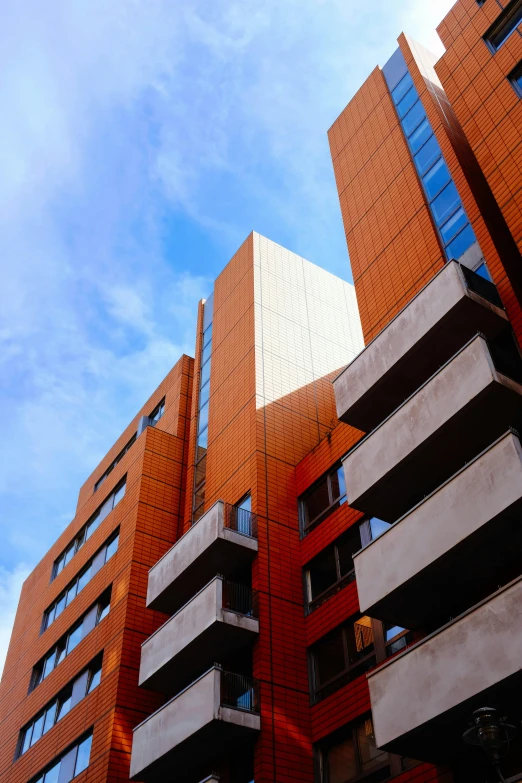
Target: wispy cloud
column 141, row 141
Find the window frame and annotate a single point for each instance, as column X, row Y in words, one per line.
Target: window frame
column 503, row 20
column 342, row 579
column 308, row 525
column 160, row 408
column 513, row 76
column 349, row 731
column 113, row 464
column 40, row 777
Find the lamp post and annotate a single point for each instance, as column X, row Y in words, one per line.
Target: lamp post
column 490, row 732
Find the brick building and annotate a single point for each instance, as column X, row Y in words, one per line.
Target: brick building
column 300, row 561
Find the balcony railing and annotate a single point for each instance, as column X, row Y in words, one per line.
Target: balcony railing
column 240, row 598
column 482, row 287
column 240, row 520
column 239, row 692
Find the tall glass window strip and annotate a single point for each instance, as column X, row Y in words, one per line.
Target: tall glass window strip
column 445, row 203
column 88, row 529
column 198, row 502
column 71, row 639
column 115, row 462
column 81, row 580
column 68, row 764
column 61, row 705
column 506, row 24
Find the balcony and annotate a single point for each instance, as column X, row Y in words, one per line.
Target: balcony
column 223, row 539
column 423, row 698
column 445, row 314
column 218, row 712
column 460, row 411
column 412, row 575
column 219, row 620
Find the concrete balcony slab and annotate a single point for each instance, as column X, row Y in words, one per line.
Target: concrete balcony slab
column 201, row 632
column 443, row 316
column 454, row 416
column 423, row 698
column 413, row 574
column 211, row 546
column 192, row 729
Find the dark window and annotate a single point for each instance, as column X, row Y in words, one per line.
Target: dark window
column 507, row 23
column 353, row 755
column 115, row 462
column 81, row 580
column 326, row 496
column 332, row 568
column 71, row 639
column 515, row 77
column 157, row 413
column 69, row 764
column 372, row 528
column 396, row 638
column 110, row 502
column 342, row 655
column 56, row 709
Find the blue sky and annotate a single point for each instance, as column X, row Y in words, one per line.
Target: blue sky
column 141, row 141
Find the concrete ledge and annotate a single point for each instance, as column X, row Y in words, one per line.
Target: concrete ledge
column 207, row 549
column 414, row 571
column 441, row 318
column 456, row 414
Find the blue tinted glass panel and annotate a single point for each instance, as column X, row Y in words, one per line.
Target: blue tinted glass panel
column 413, row 118
column 206, row 352
column 392, row 630
column 419, row 136
column 402, row 88
column 84, row 579
column 378, row 527
column 203, row 417
column 483, row 271
column 517, row 83
column 204, row 394
column 445, row 203
column 203, row 439
column 37, row 729
column 427, row 155
column 207, row 335
column 82, row 759
column 112, row 548
column 340, row 479
column 460, row 244
column 205, row 373
column 49, row 717
column 51, row 776
column 407, row 102
column 74, row 639
column 435, row 179
column 504, row 31
column 453, row 225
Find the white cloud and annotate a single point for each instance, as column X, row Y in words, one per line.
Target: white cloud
column 10, row 586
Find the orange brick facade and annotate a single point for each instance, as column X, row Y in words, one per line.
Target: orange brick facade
column 275, row 446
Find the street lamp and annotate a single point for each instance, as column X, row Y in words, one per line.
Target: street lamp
column 492, row 734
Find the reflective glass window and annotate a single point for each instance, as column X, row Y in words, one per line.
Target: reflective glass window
column 27, row 739
column 51, row 776
column 74, row 639
column 203, row 417
column 60, row 606
column 427, row 155
column 445, row 204
column 452, row 226
column 413, row 118
column 402, row 88
column 460, row 244
column 112, row 548
column 37, row 729
column 370, row 755
column 71, row 593
column 505, row 25
column 378, row 527
column 84, row 578
column 207, row 335
column 435, row 179
column 120, row 492
column 49, row 664
column 419, row 136
column 205, row 372
column 407, row 102
column 483, row 271
column 94, row 680
column 50, row 717
column 204, row 394
column 205, row 354
column 82, row 759
column 203, row 439
column 64, row 706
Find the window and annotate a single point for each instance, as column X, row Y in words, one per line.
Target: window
column 56, row 709
column 396, row 638
column 115, row 462
column 198, row 497
column 507, row 22
column 88, row 529
column 82, row 579
column 342, row 655
column 244, row 515
column 69, row 764
column 353, row 755
column 332, row 568
column 515, row 77
column 157, row 413
column 324, row 498
column 71, row 639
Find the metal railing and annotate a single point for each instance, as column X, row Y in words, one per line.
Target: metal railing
column 481, row 286
column 240, row 598
column 241, row 520
column 239, row 692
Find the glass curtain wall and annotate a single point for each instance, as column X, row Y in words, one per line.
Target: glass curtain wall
column 198, row 504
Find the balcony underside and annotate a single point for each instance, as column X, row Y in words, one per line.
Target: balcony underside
column 425, row 334
column 422, row 700
column 215, row 643
column 207, row 748
column 413, row 575
column 448, row 422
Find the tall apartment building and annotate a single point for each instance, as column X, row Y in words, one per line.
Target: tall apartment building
column 300, row 561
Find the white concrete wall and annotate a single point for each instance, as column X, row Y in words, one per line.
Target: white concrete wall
column 306, row 321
